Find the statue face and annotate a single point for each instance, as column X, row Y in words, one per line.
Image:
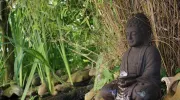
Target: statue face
column 134, row 36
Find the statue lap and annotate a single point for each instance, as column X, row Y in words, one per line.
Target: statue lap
column 138, row 91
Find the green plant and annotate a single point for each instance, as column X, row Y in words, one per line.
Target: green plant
column 46, row 37
column 103, row 74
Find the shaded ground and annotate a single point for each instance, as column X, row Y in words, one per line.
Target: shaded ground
column 76, row 93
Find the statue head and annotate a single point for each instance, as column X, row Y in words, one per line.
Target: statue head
column 138, row 30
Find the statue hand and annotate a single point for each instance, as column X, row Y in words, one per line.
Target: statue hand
column 126, row 83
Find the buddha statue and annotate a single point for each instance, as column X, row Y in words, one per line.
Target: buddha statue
column 139, row 77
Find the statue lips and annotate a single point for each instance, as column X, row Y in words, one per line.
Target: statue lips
column 131, row 42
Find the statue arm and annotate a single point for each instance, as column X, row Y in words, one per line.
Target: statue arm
column 152, row 66
column 123, row 82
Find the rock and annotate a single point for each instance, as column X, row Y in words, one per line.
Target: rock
column 93, row 95
column 64, row 77
column 36, row 81
column 80, row 76
column 62, row 87
column 13, row 89
column 31, row 91
column 58, row 80
column 92, row 72
column 173, row 96
column 54, row 93
column 170, row 81
column 173, row 87
column 59, row 73
column 90, row 95
column 88, row 67
column 42, row 89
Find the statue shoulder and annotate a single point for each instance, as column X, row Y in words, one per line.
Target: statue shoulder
column 125, row 53
column 152, row 51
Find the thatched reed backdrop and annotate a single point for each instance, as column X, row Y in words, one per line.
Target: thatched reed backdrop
column 165, row 20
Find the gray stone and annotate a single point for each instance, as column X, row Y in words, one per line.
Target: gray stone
column 139, row 77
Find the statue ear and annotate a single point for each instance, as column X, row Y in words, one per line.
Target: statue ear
column 148, row 38
column 146, row 35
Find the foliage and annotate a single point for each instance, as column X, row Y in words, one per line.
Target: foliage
column 103, row 74
column 51, row 35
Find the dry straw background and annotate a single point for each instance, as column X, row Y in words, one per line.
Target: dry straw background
column 165, row 21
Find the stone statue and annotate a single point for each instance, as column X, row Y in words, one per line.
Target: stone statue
column 139, row 77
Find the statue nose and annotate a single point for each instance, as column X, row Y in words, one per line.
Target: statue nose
column 129, row 37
